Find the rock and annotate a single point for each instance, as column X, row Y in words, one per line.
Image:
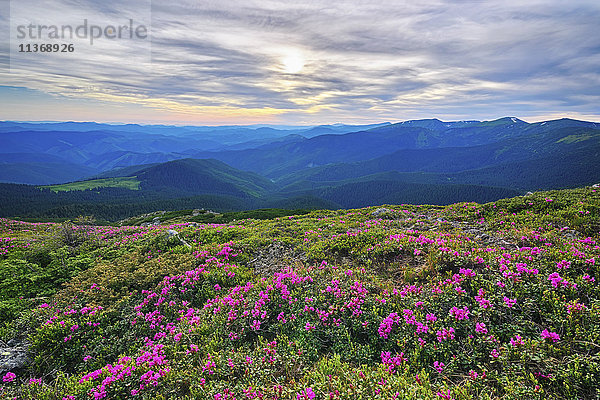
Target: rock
column 276, row 257
column 171, row 233
column 13, row 355
column 379, row 211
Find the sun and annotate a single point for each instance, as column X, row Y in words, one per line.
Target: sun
column 292, row 64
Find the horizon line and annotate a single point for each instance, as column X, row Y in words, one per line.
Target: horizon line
column 283, row 125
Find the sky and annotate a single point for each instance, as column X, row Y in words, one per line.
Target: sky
column 301, row 62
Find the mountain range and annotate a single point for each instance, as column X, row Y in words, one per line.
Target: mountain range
column 133, row 168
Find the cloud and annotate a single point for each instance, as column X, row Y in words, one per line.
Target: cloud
column 360, row 62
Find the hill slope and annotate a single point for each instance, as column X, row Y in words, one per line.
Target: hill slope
column 201, row 177
column 575, row 150
column 180, row 184
column 467, row 301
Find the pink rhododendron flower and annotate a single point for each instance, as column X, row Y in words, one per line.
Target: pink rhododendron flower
column 553, row 336
column 9, row 377
column 480, row 328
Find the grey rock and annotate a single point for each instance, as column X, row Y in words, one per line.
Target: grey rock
column 13, row 355
column 276, row 257
column 171, row 233
column 379, row 211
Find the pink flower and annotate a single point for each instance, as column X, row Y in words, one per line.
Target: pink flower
column 9, row 377
column 509, row 302
column 553, row 336
column 467, row 272
column 255, row 325
column 460, row 313
column 480, row 328
column 588, row 278
column 517, row 341
column 557, row 280
column 392, row 362
column 445, row 334
column 438, row 366
column 483, row 303
column 385, row 328
column 575, row 307
column 306, row 394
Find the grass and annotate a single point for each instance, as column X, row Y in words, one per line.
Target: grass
column 130, row 183
column 574, row 139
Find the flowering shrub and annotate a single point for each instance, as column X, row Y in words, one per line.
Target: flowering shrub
column 457, row 302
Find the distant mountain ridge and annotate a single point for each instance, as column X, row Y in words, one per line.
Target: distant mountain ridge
column 422, row 161
column 102, row 147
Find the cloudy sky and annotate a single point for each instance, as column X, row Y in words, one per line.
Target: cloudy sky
column 302, row 62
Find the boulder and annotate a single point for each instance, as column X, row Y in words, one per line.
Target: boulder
column 13, row 355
